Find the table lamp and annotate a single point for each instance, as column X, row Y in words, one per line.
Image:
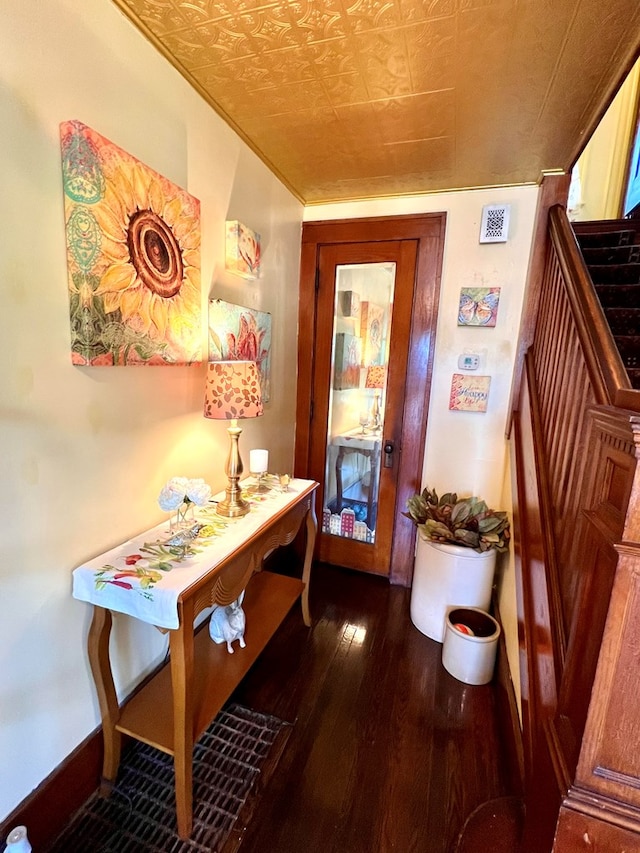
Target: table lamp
column 233, row 393
column 376, row 378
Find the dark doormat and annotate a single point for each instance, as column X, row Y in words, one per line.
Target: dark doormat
column 239, row 747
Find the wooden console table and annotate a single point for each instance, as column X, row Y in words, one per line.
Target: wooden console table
column 369, row 446
column 177, row 705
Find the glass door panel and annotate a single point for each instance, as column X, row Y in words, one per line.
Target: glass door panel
column 359, row 357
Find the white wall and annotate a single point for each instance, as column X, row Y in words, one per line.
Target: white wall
column 85, row 451
column 467, row 452
column 598, row 182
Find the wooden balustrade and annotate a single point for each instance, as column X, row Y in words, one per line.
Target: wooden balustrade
column 575, row 443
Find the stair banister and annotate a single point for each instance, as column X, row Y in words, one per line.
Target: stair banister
column 606, row 368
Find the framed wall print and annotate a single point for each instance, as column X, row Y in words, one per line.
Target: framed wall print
column 371, row 332
column 347, row 362
column 478, row 306
column 241, row 334
column 469, row 393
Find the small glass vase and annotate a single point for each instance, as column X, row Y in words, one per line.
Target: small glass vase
column 183, row 517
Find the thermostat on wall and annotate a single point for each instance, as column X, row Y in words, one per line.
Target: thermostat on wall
column 468, row 361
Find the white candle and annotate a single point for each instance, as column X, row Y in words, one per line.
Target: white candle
column 258, row 461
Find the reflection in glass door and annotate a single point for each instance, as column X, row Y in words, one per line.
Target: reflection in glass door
column 360, row 354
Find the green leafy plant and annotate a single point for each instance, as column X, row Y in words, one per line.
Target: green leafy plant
column 459, row 521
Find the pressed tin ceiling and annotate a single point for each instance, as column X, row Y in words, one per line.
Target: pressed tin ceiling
column 351, row 99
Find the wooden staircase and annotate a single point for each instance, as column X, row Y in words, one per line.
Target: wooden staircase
column 574, row 440
column 612, row 258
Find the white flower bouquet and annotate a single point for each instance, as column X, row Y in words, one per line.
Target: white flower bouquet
column 180, row 494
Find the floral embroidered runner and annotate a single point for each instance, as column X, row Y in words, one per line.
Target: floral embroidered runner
column 145, row 576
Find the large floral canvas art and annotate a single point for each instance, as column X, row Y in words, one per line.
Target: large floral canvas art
column 241, row 334
column 133, row 257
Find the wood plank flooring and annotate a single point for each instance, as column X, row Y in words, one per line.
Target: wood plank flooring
column 388, row 752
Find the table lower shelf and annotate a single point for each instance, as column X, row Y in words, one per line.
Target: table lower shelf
column 148, row 716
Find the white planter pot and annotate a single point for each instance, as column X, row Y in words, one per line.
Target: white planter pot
column 445, row 576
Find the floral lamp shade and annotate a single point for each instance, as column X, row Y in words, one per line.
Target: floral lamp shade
column 376, row 376
column 232, row 390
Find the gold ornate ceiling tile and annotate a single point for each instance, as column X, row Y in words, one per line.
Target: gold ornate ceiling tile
column 345, row 89
column 219, row 78
column 414, row 11
column 384, row 64
column 411, row 156
column 297, row 99
column 242, row 106
column 366, row 15
column 328, row 59
column 431, row 49
column 351, row 98
column 197, row 11
column 242, row 35
column 502, row 6
column 404, row 120
column 309, row 22
column 162, row 16
column 214, row 10
column 184, row 47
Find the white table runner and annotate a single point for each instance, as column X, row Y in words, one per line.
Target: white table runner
column 144, row 576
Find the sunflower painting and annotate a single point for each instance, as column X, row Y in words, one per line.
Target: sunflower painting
column 241, row 334
column 133, row 257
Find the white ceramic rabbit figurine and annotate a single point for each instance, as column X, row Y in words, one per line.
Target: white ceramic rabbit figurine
column 227, row 624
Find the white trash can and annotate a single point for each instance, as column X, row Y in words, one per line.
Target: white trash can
column 470, row 644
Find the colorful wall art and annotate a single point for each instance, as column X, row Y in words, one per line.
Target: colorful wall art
column 133, row 257
column 469, row 393
column 371, row 332
column 478, row 306
column 349, row 303
column 347, row 362
column 242, row 250
column 241, row 334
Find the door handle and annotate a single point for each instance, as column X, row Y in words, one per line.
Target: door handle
column 388, row 454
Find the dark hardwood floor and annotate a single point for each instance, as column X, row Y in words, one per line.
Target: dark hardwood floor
column 388, row 752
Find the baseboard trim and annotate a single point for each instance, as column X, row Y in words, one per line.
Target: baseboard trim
column 48, row 808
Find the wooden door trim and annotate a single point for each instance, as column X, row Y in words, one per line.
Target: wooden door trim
column 428, row 229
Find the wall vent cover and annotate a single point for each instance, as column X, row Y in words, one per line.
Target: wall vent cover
column 494, row 227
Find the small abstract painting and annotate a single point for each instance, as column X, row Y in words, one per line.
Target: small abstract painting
column 469, row 393
column 347, row 362
column 350, row 303
column 478, row 306
column 242, row 250
column 241, row 334
column 371, row 332
column 133, row 257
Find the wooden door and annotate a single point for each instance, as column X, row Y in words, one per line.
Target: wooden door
column 415, row 251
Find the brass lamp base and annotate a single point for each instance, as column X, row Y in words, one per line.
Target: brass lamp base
column 233, row 506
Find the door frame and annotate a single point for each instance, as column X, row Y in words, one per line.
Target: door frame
column 429, row 231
